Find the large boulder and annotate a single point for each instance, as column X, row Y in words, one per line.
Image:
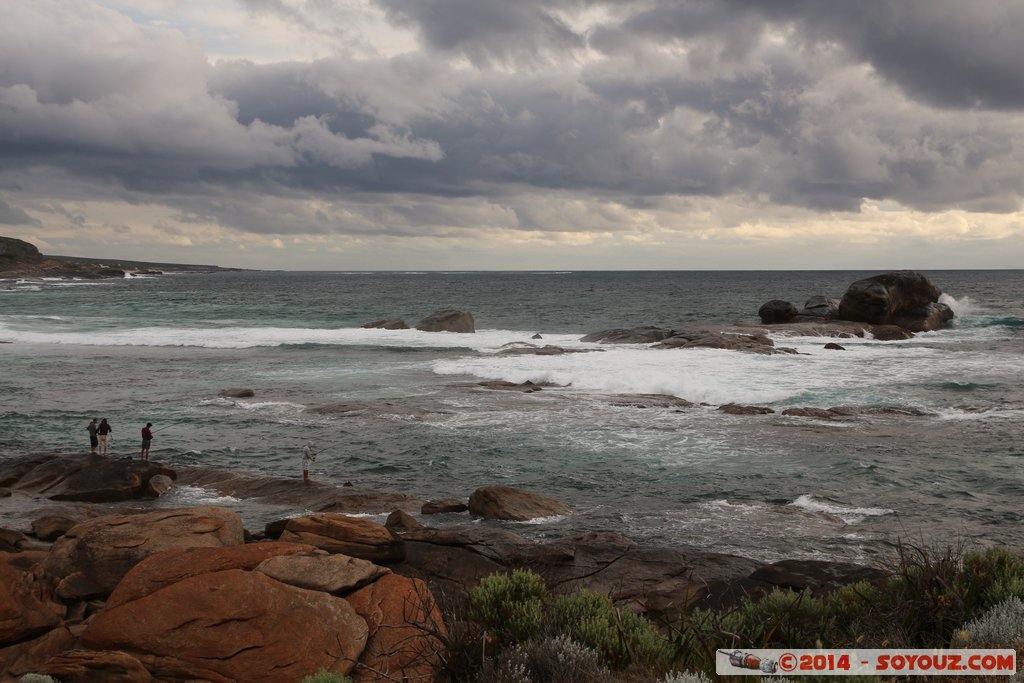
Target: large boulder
column 882, row 299
column 170, row 566
column 236, row 392
column 92, row 557
column 820, row 308
column 448, row 320
column 353, row 536
column 405, row 630
column 236, row 624
column 777, row 311
column 320, row 571
column 505, row 502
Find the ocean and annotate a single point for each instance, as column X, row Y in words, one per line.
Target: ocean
column 160, row 348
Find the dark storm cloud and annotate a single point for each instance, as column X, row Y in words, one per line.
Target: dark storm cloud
column 802, row 103
column 947, row 52
column 486, row 32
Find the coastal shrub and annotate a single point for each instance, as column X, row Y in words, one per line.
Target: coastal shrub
column 511, row 606
column 1000, row 626
column 325, row 676
column 551, row 660
column 781, row 618
column 620, row 637
column 996, row 575
column 37, row 678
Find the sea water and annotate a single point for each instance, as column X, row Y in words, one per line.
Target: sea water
column 415, row 420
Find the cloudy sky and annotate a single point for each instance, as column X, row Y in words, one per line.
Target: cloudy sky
column 516, row 134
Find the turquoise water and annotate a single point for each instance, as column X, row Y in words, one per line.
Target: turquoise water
column 160, row 349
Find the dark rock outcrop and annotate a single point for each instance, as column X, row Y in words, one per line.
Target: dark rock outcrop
column 650, row 401
column 505, row 502
column 883, row 299
column 448, row 320
column 832, row 346
column 636, row 335
column 777, row 311
column 851, row 411
column 526, row 387
column 736, row 409
column 524, row 349
column 819, row 308
column 89, row 478
column 751, row 341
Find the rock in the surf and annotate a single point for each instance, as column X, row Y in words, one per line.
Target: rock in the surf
column 777, row 311
column 387, row 324
column 447, row 320
column 902, row 295
column 505, row 502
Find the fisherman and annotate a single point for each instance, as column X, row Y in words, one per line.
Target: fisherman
column 147, row 439
column 307, row 456
column 94, row 440
column 103, row 432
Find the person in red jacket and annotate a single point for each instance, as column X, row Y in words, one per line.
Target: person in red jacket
column 147, row 439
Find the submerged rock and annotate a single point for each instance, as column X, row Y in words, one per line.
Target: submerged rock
column 636, row 335
column 736, row 409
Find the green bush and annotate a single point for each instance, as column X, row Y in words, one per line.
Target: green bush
column 781, row 618
column 511, row 606
column 995, row 574
column 620, row 637
column 37, row 678
column 325, row 676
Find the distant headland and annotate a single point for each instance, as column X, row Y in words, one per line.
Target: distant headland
column 23, row 259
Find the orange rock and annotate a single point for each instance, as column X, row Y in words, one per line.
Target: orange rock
column 170, row 566
column 27, row 603
column 29, row 655
column 238, row 624
column 406, row 630
column 352, row 536
column 92, row 557
column 87, row 666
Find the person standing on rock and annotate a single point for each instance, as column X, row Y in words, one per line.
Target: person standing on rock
column 147, row 439
column 103, row 432
column 93, row 439
column 307, row 456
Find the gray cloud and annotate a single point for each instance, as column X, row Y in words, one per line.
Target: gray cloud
column 12, row 215
column 800, row 103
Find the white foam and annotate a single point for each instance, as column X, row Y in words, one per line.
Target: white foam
column 248, row 337
column 698, row 375
column 196, row 495
column 850, row 515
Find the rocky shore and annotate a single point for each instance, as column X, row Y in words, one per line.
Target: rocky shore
column 108, row 586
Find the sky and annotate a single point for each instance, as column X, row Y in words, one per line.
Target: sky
column 512, row 135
